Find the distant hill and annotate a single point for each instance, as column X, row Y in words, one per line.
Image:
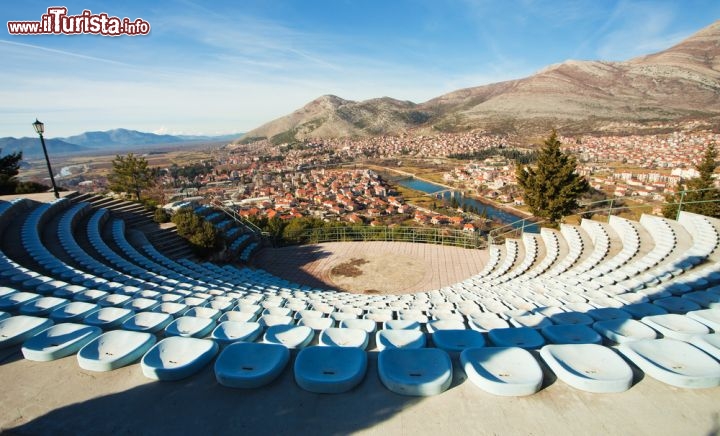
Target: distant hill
column 676, row 85
column 31, row 146
column 93, row 141
column 120, row 137
column 125, row 137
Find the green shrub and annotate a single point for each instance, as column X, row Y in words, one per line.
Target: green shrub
column 161, row 215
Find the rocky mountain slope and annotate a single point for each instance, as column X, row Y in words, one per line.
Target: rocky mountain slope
column 676, row 85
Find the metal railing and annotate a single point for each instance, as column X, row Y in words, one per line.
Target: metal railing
column 516, row 228
column 240, row 220
column 423, row 235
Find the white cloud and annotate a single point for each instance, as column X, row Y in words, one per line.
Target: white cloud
column 63, row 53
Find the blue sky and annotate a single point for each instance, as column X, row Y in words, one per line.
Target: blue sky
column 223, row 67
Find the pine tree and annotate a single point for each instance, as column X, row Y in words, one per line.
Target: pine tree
column 701, row 196
column 200, row 233
column 552, row 188
column 9, row 168
column 130, row 174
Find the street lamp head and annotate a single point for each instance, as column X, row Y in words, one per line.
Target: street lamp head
column 39, row 127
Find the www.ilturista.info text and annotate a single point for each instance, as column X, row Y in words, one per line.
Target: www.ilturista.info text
column 58, row 22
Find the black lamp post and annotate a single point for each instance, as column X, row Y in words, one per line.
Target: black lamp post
column 40, row 128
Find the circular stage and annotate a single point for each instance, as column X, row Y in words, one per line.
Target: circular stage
column 373, row 267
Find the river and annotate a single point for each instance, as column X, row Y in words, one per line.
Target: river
column 491, row 211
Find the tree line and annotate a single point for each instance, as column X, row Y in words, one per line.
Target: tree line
column 519, row 156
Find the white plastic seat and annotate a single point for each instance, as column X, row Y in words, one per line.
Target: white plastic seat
column 140, row 304
column 177, row 357
column 305, row 313
column 445, row 324
column 278, row 311
column 399, row 339
column 42, row 306
column 342, row 316
column 317, row 323
column 114, row 349
column 151, row 322
column 673, row 362
column 486, row 324
column 330, row 370
column 416, row 372
column 676, row 326
column 291, row 336
column 190, row 327
column 378, row 317
column 709, row 343
column 535, row 321
column 705, row 299
column 69, row 291
column 170, row 298
column 108, row 317
column 399, row 324
column 571, row 334
column 16, row 329
column 677, row 304
column 220, row 304
column 59, row 341
column 455, row 341
column 523, row 337
column 171, row 308
column 572, row 318
column 14, row 300
column 606, row 313
column 502, row 371
column 273, row 320
column 624, row 330
column 195, row 301
column 248, row 308
column 113, row 300
column 709, row 317
column 228, row 332
column 344, row 337
column 250, row 365
column 73, row 312
column 368, row 325
column 204, row 312
column 588, row 367
column 641, row 310
column 235, row 316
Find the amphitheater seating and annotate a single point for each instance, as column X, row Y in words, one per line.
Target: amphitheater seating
column 619, row 282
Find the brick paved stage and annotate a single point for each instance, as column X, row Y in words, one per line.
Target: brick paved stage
column 373, row 267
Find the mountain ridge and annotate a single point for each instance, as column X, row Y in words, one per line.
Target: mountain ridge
column 96, row 140
column 673, row 85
